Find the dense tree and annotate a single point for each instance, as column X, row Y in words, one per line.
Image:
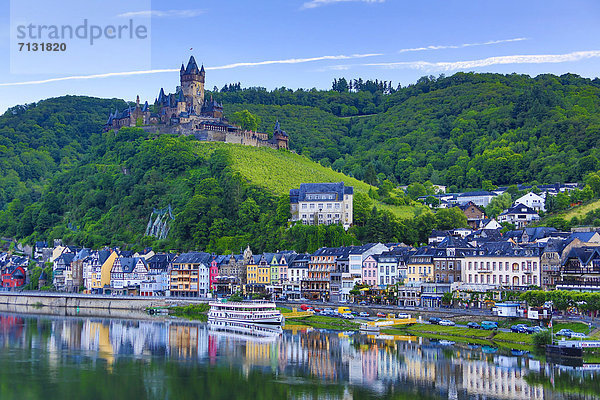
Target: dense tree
column 246, row 120
column 450, row 218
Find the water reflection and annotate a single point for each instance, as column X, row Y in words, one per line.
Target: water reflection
column 168, row 359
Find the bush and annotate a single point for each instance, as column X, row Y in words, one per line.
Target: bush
column 542, row 339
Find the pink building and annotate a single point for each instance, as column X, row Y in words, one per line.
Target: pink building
column 213, row 273
column 369, row 271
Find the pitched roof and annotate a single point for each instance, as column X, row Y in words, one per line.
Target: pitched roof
column 338, row 189
column 195, row 257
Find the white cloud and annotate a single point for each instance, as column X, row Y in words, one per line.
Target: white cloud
column 159, row 13
column 295, row 61
column 319, row 3
column 159, row 71
column 486, row 62
column 460, row 46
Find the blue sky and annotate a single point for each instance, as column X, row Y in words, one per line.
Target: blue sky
column 311, row 42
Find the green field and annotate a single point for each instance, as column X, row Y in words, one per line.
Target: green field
column 322, row 322
column 449, row 330
column 279, row 171
column 578, row 211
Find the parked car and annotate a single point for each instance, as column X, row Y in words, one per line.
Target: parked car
column 578, row 335
column 305, row 307
column 403, row 316
column 565, row 333
column 363, row 314
column 362, row 303
column 489, row 325
column 328, row 310
column 446, row 322
column 473, row 325
column 318, row 310
column 535, row 329
column 381, row 315
column 519, row 328
column 347, row 316
column 434, row 320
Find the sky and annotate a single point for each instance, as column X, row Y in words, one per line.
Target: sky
column 308, row 43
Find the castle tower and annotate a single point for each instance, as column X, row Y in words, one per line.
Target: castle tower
column 280, row 137
column 192, row 84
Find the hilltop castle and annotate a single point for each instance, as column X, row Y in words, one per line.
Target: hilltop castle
column 187, row 112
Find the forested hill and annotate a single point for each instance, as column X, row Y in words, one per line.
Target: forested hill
column 460, row 130
column 63, row 178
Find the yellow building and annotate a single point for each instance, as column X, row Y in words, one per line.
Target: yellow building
column 99, row 280
column 420, row 266
column 258, row 271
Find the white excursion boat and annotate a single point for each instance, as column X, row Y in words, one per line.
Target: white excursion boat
column 254, row 312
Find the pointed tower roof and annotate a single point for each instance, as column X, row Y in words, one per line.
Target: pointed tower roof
column 278, row 130
column 202, row 69
column 192, row 67
column 182, row 70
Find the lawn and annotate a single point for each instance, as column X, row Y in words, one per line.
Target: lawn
column 508, row 322
column 284, row 310
column 513, row 337
column 322, row 322
column 449, row 330
column 574, row 326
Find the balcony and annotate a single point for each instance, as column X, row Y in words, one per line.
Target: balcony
column 578, row 284
column 581, row 270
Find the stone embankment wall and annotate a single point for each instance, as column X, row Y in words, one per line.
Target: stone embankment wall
column 79, row 301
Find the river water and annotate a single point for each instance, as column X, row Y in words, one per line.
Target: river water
column 52, row 357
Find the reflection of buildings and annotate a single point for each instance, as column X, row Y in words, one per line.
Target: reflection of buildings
column 502, row 379
column 377, row 364
column 324, row 356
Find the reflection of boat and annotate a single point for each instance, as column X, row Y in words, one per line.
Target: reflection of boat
column 369, row 329
column 255, row 312
column 446, row 342
column 516, row 352
column 244, row 330
column 489, row 349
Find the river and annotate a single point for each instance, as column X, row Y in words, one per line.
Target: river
column 64, row 357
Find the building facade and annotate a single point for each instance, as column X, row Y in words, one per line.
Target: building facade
column 322, row 203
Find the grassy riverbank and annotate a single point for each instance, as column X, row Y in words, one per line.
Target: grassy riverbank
column 463, row 334
column 322, row 322
column 197, row 312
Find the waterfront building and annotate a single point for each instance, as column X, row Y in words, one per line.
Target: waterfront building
column 420, row 266
column 580, row 270
column 322, row 263
column 448, row 259
column 502, row 264
column 190, row 275
column 61, row 271
column 369, row 271
column 297, row 272
column 92, row 266
column 128, row 273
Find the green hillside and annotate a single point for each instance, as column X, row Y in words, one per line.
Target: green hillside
column 280, row 171
column 464, row 131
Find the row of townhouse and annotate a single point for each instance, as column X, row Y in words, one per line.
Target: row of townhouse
column 478, row 260
column 13, row 271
